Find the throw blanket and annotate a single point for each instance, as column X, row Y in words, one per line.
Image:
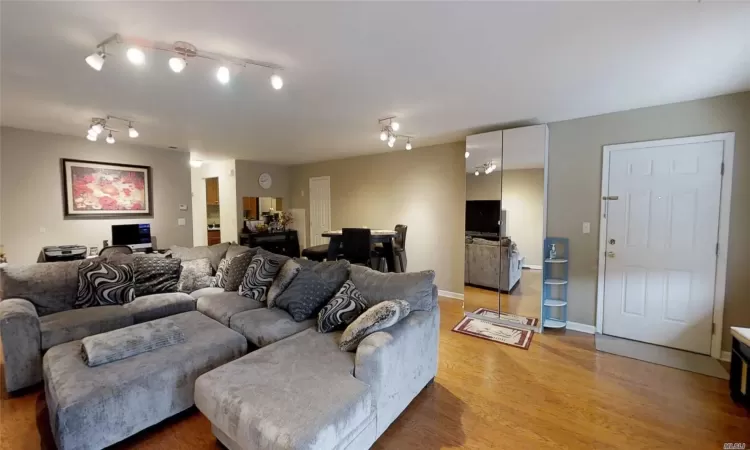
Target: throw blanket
column 130, row 341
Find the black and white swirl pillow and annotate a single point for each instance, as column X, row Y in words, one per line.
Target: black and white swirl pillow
column 103, row 284
column 343, row 308
column 218, row 280
column 259, row 277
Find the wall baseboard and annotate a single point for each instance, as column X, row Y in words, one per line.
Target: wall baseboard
column 726, row 356
column 532, row 267
column 582, row 327
column 449, row 294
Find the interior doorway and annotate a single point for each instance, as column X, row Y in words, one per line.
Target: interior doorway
column 320, row 209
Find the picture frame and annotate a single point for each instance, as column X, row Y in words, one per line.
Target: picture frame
column 103, row 190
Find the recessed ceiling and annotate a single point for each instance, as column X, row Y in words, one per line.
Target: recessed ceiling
column 444, row 69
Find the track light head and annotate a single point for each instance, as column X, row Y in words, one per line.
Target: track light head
column 276, row 81
column 391, row 140
column 476, row 173
column 110, row 139
column 177, row 64
column 466, row 154
column 395, row 125
column 408, row 144
column 132, row 132
column 383, row 136
column 96, row 60
column 223, row 75
column 92, row 135
column 97, row 128
column 136, row 56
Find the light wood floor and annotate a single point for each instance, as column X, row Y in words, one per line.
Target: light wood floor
column 524, row 300
column 560, row 393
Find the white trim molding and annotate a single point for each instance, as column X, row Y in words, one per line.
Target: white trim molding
column 726, row 356
column 532, row 266
column 723, row 232
column 449, row 294
column 582, row 327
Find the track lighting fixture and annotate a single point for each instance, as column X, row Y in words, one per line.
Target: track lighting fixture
column 388, row 128
column 110, row 139
column 476, row 173
column 466, row 154
column 487, row 168
column 136, row 56
column 92, row 135
column 96, row 60
column 132, row 132
column 222, row 75
column 182, row 51
column 98, row 125
column 97, row 128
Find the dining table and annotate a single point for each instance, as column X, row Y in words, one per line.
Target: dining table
column 384, row 237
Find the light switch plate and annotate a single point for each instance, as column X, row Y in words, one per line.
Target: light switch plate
column 586, row 227
column 181, row 221
column 183, row 207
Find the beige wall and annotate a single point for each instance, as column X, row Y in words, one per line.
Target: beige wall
column 248, row 173
column 32, row 197
column 523, row 200
column 575, row 159
column 423, row 188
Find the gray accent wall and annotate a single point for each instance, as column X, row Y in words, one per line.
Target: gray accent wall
column 423, row 188
column 32, row 200
column 575, row 162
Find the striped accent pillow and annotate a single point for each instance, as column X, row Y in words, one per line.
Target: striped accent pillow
column 259, row 277
column 218, row 280
column 103, row 284
column 343, row 308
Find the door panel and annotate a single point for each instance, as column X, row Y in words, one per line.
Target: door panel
column 320, row 209
column 661, row 240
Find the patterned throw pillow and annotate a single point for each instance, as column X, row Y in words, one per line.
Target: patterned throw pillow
column 286, row 275
column 343, row 308
column 104, row 284
column 259, row 276
column 381, row 316
column 235, row 271
column 307, row 293
column 195, row 275
column 155, row 275
column 218, row 280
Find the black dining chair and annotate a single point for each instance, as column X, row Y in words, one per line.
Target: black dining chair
column 399, row 248
column 356, row 246
column 316, row 253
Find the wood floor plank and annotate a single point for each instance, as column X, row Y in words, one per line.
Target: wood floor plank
column 560, row 393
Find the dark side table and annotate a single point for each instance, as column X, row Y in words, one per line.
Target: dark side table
column 739, row 372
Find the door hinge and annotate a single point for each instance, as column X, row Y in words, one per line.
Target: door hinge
column 717, row 249
column 722, row 168
column 713, row 327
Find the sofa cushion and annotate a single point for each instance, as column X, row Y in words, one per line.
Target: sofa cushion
column 296, row 394
column 283, row 279
column 235, row 271
column 75, row 324
column 221, row 271
column 194, row 275
column 342, row 309
column 104, row 284
column 222, row 306
column 264, row 326
column 50, row 287
column 306, row 295
column 214, row 253
column 259, row 277
column 155, row 275
column 337, row 272
column 379, row 317
column 235, row 250
column 156, row 306
column 414, row 287
column 206, row 291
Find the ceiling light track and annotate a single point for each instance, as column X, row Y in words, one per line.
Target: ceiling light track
column 99, row 125
column 183, row 51
column 486, row 168
column 388, row 128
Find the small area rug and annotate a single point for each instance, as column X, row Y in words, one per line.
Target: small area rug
column 514, row 337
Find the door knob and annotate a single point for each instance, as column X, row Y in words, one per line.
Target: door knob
column 610, row 254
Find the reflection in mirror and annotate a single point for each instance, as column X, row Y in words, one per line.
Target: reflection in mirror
column 263, row 213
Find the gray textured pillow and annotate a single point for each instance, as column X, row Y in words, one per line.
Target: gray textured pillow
column 155, row 275
column 414, row 287
column 283, row 279
column 235, row 271
column 383, row 315
column 307, row 293
column 235, row 250
column 195, row 274
column 214, row 253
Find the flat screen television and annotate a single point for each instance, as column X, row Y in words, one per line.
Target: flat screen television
column 136, row 236
column 482, row 216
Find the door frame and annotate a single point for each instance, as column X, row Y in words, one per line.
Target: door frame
column 309, row 202
column 724, row 209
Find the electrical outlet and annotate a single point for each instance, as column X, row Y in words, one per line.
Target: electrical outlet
column 42, row 230
column 181, row 221
column 586, row 227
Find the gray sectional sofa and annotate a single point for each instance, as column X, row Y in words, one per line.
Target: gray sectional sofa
column 295, row 389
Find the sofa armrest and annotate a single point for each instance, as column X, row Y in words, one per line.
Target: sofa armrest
column 19, row 332
column 398, row 362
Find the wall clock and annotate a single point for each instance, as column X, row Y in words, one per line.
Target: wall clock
column 265, row 181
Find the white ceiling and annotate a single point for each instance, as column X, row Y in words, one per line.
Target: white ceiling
column 445, row 69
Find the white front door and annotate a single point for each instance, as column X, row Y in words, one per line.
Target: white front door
column 662, row 222
column 320, row 209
